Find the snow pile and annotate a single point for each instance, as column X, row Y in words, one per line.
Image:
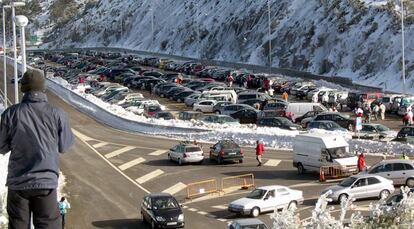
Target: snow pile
column 351, row 38
column 194, row 130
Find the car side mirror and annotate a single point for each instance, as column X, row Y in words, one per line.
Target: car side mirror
column 266, row 198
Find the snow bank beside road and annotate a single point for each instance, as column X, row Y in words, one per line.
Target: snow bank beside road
column 119, row 118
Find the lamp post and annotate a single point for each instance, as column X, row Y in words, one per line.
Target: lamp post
column 22, row 21
column 16, row 83
column 4, row 55
column 402, row 43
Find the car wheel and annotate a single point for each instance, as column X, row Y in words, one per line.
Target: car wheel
column 198, row 110
column 217, row 112
column 255, row 212
column 293, row 205
column 180, row 162
column 219, row 160
column 342, row 198
column 384, row 194
column 241, row 161
column 301, row 170
column 410, row 182
column 200, row 162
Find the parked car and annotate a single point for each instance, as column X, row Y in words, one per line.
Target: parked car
column 337, row 117
column 251, row 95
column 219, row 105
column 180, row 97
column 150, row 110
column 189, row 115
column 162, row 210
column 377, row 132
column 247, row 224
column 164, row 115
column 406, row 134
column 220, row 119
column 205, row 106
column 266, row 199
column 233, row 108
column 186, row 153
column 361, row 186
column 401, row 172
column 191, row 99
column 280, row 122
column 326, row 125
column 309, row 114
column 226, row 150
column 247, row 116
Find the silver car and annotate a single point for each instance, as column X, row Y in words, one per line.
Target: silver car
column 401, row 172
column 361, row 186
column 186, row 153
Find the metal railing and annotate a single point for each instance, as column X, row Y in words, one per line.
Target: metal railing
column 336, row 172
column 197, row 189
column 242, row 181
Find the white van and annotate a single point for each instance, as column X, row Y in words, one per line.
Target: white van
column 230, row 93
column 313, row 150
column 299, row 109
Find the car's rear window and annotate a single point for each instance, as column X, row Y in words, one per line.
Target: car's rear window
column 230, row 145
column 192, row 149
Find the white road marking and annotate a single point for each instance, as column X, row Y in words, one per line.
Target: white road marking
column 175, row 188
column 131, row 163
column 158, row 152
column 185, row 207
column 308, row 184
column 222, row 207
column 85, row 138
column 361, row 208
column 119, row 151
column 100, row 144
column 149, row 176
column 272, row 162
column 192, row 209
column 202, row 213
column 222, row 220
column 81, row 136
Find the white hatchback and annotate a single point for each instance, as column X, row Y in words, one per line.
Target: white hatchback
column 266, row 199
column 186, row 153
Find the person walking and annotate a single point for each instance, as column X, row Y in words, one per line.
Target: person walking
column 382, row 109
column 404, row 156
column 259, row 152
column 361, row 162
column 375, row 111
column 34, row 132
column 63, row 208
column 367, row 112
column 285, row 96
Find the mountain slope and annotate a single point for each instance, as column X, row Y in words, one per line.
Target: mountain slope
column 352, row 38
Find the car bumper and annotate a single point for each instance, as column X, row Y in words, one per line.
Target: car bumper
column 232, row 158
column 173, row 224
column 239, row 210
column 193, row 159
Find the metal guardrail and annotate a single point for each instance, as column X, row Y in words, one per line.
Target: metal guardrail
column 197, row 189
column 242, row 181
column 336, row 172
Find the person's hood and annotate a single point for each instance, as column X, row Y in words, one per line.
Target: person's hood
column 34, row 97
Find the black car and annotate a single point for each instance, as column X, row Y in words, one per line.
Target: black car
column 280, row 122
column 162, row 210
column 182, row 95
column 308, row 114
column 246, row 116
column 253, row 102
column 226, row 150
column 219, row 105
column 164, row 115
column 325, row 125
column 337, row 117
column 173, row 91
column 406, row 134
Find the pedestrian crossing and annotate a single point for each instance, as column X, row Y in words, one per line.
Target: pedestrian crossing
column 119, row 151
column 149, row 176
column 132, row 163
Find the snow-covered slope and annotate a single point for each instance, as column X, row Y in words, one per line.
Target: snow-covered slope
column 353, row 38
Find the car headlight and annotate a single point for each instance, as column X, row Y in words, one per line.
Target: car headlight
column 181, row 217
column 160, row 218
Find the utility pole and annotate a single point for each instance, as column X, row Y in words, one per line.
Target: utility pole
column 16, row 80
column 403, row 45
column 270, row 40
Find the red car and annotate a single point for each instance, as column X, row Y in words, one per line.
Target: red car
column 151, row 110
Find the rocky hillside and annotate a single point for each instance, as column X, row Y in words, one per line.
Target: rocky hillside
column 360, row 39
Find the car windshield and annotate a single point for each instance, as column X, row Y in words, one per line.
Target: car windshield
column 164, row 203
column 192, row 149
column 256, row 194
column 382, row 128
column 347, row 182
column 339, row 152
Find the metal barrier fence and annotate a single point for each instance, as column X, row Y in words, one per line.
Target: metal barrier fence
column 336, row 172
column 200, row 188
column 242, row 181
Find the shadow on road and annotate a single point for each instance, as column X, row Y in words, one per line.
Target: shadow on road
column 120, row 224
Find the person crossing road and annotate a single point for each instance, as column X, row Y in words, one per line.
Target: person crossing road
column 259, row 152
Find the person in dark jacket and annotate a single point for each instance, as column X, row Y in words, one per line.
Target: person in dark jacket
column 259, row 152
column 34, row 132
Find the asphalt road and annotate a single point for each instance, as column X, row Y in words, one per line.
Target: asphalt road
column 109, row 171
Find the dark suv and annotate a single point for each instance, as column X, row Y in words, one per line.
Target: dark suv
column 226, row 150
column 339, row 118
column 406, row 134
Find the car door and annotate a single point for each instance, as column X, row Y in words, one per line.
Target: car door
column 383, row 170
column 358, row 189
column 374, row 187
column 268, row 201
column 283, row 197
column 398, row 173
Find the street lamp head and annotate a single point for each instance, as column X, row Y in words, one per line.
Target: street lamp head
column 21, row 20
column 17, row 4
